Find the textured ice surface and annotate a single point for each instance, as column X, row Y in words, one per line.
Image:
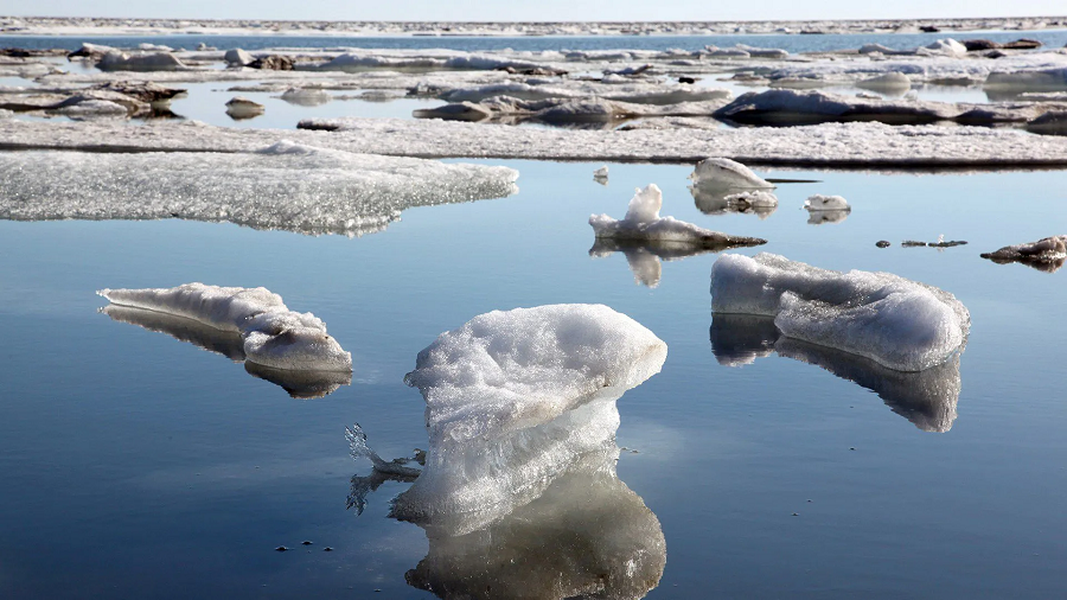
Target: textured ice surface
column 715, row 172
column 153, row 61
column 564, row 110
column 272, row 335
column 718, row 201
column 643, row 223
column 1043, row 80
column 285, row 186
column 898, row 323
column 514, row 399
column 927, row 398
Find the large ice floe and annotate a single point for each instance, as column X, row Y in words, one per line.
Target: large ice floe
column 271, row 335
column 284, row 186
column 519, row 492
column 1047, row 254
column 927, row 398
column 900, row 324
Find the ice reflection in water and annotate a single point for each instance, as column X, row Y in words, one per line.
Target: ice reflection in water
column 927, row 398
column 644, row 256
column 713, row 199
column 299, row 384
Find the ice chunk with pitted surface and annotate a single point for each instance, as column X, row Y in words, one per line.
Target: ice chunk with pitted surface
column 513, row 400
column 272, row 335
column 898, row 323
column 642, row 222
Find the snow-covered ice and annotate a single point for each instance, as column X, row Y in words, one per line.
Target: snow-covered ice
column 272, row 335
column 898, row 323
column 514, row 400
column 284, row 186
column 642, row 223
column 927, row 398
column 820, row 202
column 718, row 172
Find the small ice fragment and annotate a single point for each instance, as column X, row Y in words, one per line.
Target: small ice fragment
column 1047, row 254
column 898, row 323
column 642, row 222
column 306, row 96
column 240, row 107
column 821, row 202
column 601, row 173
column 273, row 335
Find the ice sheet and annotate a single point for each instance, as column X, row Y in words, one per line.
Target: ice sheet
column 898, row 323
column 272, row 335
column 869, row 145
column 284, row 186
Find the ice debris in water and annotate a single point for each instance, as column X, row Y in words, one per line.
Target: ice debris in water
column 516, row 398
column 643, row 223
column 273, row 335
column 727, row 173
column 601, row 173
column 898, row 323
column 1047, row 254
column 821, row 202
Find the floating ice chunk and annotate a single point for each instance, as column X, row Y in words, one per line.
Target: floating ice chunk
column 1054, row 122
column 237, row 57
column 893, row 83
column 299, row 384
column 240, row 107
column 90, row 107
column 1047, row 254
column 900, row 324
column 306, row 96
column 514, row 399
column 727, row 173
column 156, row 61
column 713, row 200
column 927, row 398
column 272, row 335
column 947, row 47
column 818, row 202
column 601, row 173
column 1028, row 80
column 642, row 222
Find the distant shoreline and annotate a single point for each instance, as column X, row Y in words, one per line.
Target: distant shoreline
column 133, row 26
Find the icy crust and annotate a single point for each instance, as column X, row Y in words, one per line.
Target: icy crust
column 900, row 324
column 514, row 400
column 272, row 335
column 783, row 106
column 868, row 145
column 643, row 223
column 927, row 398
column 285, row 186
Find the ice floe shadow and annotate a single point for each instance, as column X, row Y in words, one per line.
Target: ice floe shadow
column 927, row 398
column 519, row 495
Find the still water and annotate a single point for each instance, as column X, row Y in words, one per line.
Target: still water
column 137, row 465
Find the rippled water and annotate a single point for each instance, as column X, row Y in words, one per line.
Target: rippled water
column 138, row 465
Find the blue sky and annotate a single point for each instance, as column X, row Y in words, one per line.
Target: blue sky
column 537, row 10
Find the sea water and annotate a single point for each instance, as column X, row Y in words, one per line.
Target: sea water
column 135, row 464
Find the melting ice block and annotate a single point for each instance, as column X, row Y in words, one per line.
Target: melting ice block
column 643, row 223
column 898, row 323
column 272, row 335
column 515, row 400
column 927, row 398
column 1047, row 254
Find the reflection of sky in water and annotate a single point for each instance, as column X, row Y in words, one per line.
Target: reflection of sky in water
column 125, row 453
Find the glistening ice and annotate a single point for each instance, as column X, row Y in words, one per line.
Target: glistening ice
column 898, row 323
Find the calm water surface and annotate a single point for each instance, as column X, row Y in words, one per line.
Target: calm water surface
column 137, row 465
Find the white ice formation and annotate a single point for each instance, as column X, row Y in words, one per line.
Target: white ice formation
column 516, row 400
column 642, row 223
column 819, row 202
column 727, row 173
column 1047, row 254
column 240, row 107
column 306, row 96
column 601, row 173
column 898, row 323
column 284, row 186
column 272, row 335
column 152, row 61
column 927, row 398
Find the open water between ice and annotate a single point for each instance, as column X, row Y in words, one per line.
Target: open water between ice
column 138, row 465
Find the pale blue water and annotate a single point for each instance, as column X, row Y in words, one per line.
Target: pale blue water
column 136, row 465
